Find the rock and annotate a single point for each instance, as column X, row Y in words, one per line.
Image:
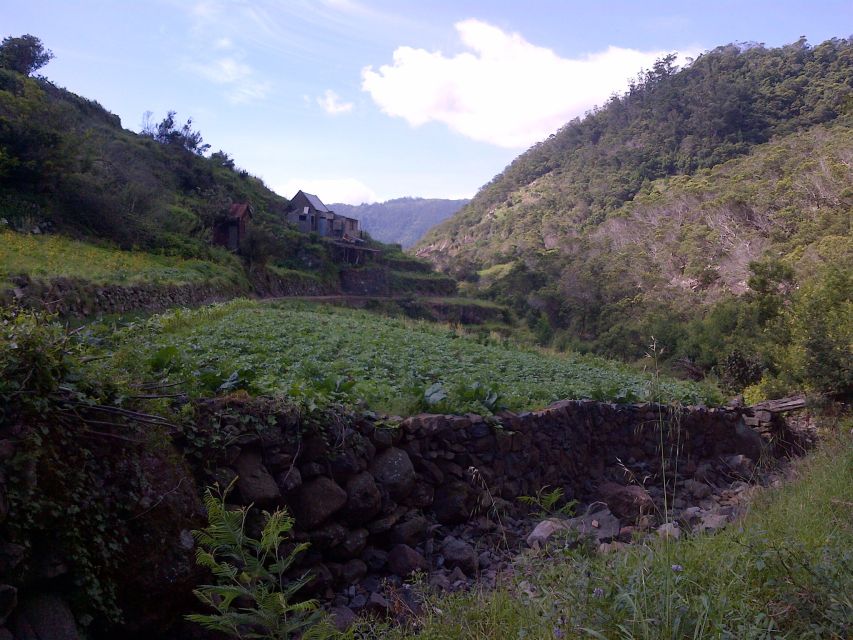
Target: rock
column 353, row 571
column 403, row 560
column 393, row 470
column 327, row 536
column 712, row 522
column 8, row 601
column 254, row 482
column 377, row 604
column 453, row 503
column 318, row 500
column 458, row 553
column 544, row 531
column 705, row 473
column 628, row 502
column 740, row 466
column 44, row 617
column 601, row 526
column 351, row 546
column 375, row 559
column 670, row 530
column 342, row 617
column 363, row 498
column 439, row 582
column 698, row 490
column 410, row 531
column 289, row 481
column 611, row 547
column 457, row 578
column 358, row 601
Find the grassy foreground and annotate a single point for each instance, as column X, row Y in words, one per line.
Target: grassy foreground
column 50, row 256
column 785, row 571
column 312, row 351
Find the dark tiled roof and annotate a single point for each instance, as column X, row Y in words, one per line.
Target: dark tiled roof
column 316, row 202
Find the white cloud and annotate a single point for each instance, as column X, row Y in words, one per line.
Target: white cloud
column 241, row 81
column 503, row 89
column 331, row 103
column 345, row 190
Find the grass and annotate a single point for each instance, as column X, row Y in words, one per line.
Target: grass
column 785, row 571
column 310, row 350
column 51, row 256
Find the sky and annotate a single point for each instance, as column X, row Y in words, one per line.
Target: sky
column 367, row 100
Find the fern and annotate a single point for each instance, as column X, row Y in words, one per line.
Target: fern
column 251, row 597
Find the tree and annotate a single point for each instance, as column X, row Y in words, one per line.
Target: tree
column 167, row 132
column 24, row 54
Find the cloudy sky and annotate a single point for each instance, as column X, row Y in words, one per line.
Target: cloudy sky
column 363, row 100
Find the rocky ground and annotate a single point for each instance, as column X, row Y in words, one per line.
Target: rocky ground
column 480, row 553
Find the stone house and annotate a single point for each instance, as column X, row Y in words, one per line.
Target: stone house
column 308, row 214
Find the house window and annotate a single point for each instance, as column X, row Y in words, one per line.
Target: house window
column 302, row 217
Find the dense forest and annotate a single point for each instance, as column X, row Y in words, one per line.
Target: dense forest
column 704, row 207
column 401, row 221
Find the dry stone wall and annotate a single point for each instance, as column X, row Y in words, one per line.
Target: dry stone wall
column 69, row 296
column 368, row 497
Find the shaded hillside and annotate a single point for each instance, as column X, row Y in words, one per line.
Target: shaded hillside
column 68, row 166
column 402, row 220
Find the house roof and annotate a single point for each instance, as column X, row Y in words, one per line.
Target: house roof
column 316, row 202
column 240, row 210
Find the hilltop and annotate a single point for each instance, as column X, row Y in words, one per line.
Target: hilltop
column 725, row 180
column 87, row 204
column 401, row 221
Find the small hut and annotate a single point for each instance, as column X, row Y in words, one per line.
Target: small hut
column 232, row 229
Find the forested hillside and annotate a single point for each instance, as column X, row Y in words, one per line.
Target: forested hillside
column 731, row 176
column 401, row 220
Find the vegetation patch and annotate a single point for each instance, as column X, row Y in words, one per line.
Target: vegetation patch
column 786, row 571
column 50, row 256
column 319, row 353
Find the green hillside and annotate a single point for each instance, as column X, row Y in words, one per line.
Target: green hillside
column 680, row 194
column 401, row 220
column 83, row 198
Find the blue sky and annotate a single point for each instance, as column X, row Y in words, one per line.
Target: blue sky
column 368, row 100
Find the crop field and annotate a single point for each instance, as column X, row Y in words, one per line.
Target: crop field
column 49, row 256
column 320, row 353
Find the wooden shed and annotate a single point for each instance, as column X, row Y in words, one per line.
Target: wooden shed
column 230, row 231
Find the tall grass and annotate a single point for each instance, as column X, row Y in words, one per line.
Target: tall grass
column 784, row 571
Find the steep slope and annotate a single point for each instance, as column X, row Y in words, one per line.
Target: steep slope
column 669, row 123
column 401, row 220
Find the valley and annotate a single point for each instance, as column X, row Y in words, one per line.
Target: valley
column 226, row 415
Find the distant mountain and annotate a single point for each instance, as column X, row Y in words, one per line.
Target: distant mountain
column 402, row 220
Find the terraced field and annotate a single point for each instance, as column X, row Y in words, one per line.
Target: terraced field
column 320, row 353
column 49, row 256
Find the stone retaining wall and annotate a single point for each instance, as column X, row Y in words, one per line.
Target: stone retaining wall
column 70, row 296
column 360, row 489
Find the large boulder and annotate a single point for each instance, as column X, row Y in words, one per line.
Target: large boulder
column 628, row 502
column 458, row 553
column 403, row 561
column 394, row 471
column 363, row 498
column 454, row 502
column 318, row 500
column 254, row 482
